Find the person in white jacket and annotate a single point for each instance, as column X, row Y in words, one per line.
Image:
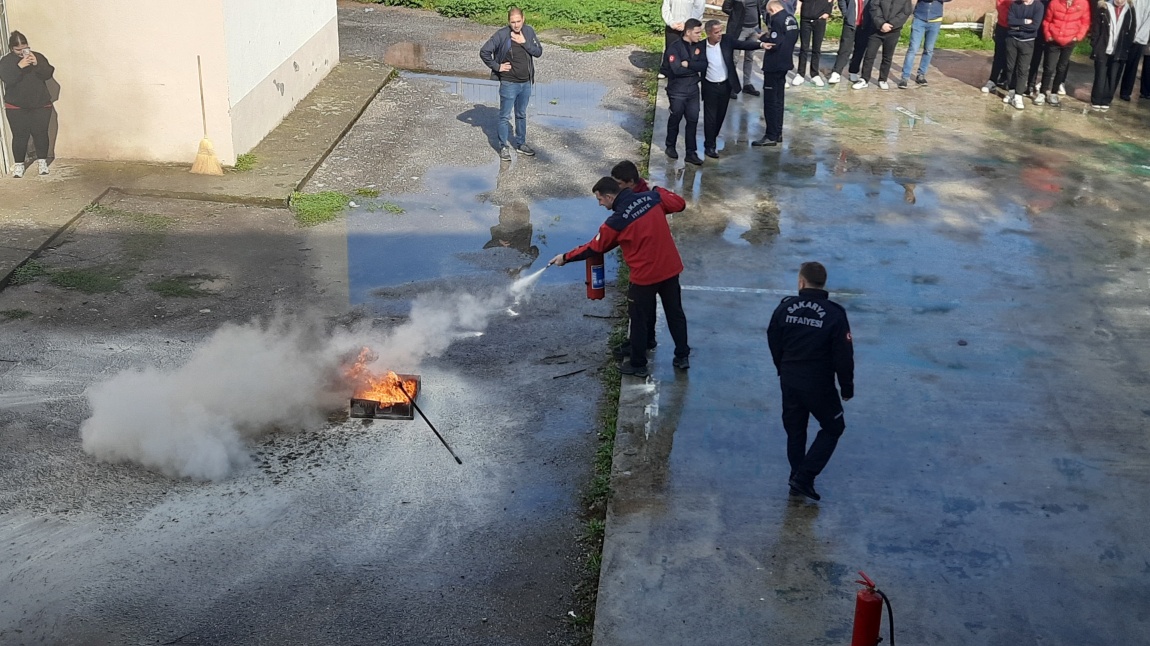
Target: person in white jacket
column 675, row 13
column 1137, row 53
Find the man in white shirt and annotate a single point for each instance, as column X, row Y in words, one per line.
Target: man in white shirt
column 675, row 14
column 721, row 81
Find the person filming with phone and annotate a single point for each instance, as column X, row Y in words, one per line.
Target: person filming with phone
column 27, row 103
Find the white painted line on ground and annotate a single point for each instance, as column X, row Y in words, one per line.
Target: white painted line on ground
column 755, row 290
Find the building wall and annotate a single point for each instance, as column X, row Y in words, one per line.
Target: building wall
column 278, row 51
column 967, row 10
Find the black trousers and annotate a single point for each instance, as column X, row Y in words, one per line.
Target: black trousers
column 1056, row 65
column 669, row 36
column 998, row 63
column 811, row 32
column 1018, row 55
column 27, row 123
column 1036, row 60
column 642, row 311
column 888, row 42
column 852, row 46
column 716, row 98
column 684, row 106
column 798, row 407
column 774, row 101
column 1130, row 72
column 1107, row 73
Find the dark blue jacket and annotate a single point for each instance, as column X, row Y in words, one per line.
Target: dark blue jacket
column 810, row 340
column 929, row 10
column 782, row 31
column 497, row 50
column 1016, row 19
column 685, row 80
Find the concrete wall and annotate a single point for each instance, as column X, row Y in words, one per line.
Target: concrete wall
column 967, row 10
column 278, row 50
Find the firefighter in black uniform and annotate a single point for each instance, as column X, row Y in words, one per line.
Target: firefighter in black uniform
column 778, row 59
column 810, row 341
column 686, row 62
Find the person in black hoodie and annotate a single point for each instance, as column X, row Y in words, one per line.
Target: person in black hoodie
column 27, row 103
column 1024, row 19
column 778, row 59
column 813, row 16
column 1111, row 34
column 888, row 17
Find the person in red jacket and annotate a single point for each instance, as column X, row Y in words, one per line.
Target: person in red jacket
column 998, row 63
column 1067, row 22
column 638, row 225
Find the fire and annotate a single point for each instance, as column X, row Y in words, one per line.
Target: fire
column 385, row 388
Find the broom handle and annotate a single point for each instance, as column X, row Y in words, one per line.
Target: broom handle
column 203, row 109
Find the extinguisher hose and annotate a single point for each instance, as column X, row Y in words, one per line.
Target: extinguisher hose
column 889, row 614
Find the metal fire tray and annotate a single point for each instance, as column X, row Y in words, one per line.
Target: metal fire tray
column 371, row 409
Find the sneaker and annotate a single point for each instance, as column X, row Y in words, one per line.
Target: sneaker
column 920, row 80
column 1052, row 99
column 988, row 88
column 671, row 152
column 1031, row 91
column 750, row 89
column 505, row 153
column 1062, row 89
column 902, row 84
column 18, row 171
column 835, row 77
column 764, row 142
column 860, row 85
column 1009, row 97
column 1104, row 108
column 817, row 81
column 681, row 363
column 883, row 85
column 1017, row 102
column 43, row 166
column 853, row 76
column 1040, row 99
column 798, row 80
column 1095, row 107
column 524, row 149
column 636, row 371
column 662, row 76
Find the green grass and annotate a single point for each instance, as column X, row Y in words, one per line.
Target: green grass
column 14, row 315
column 316, row 208
column 27, row 273
column 366, row 192
column 246, row 162
column 394, row 208
column 90, row 280
column 184, row 286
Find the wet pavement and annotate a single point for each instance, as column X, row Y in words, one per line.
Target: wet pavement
column 994, row 267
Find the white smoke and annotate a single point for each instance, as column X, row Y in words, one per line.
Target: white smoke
column 246, row 380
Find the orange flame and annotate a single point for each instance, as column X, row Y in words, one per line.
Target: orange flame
column 384, row 389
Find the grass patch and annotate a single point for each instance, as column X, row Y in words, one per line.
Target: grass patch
column 394, row 208
column 27, row 273
column 316, row 208
column 245, row 162
column 366, row 192
column 14, row 315
column 185, row 286
column 91, row 280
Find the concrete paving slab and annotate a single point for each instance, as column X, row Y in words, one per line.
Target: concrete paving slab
column 994, row 266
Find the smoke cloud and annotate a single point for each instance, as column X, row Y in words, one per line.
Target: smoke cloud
column 247, row 380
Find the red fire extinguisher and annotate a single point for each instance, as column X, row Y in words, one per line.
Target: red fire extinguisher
column 596, row 278
column 868, row 614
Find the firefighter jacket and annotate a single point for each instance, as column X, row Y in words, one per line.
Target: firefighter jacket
column 638, row 225
column 810, row 340
column 1067, row 21
column 683, row 81
column 782, row 31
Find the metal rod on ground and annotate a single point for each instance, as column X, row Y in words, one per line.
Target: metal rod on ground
column 432, row 426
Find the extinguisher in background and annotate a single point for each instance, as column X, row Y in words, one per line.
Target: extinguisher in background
column 868, row 614
column 596, row 278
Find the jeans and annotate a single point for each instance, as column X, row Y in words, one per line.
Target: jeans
column 716, row 98
column 920, row 30
column 513, row 96
column 642, row 311
column 774, row 102
column 29, row 122
column 1057, row 64
column 888, row 41
column 798, row 406
column 1018, row 55
column 811, row 32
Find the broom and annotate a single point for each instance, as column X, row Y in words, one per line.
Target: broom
column 206, row 161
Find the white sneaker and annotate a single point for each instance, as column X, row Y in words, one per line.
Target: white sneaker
column 883, row 85
column 818, row 81
column 1104, row 108
column 988, row 88
column 1040, row 99
column 798, row 80
column 1017, row 102
column 662, row 76
column 43, row 166
column 853, row 77
column 1009, row 97
column 1062, row 89
column 860, row 85
column 18, row 172
column 834, row 78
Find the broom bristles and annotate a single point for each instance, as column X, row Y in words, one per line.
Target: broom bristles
column 206, row 161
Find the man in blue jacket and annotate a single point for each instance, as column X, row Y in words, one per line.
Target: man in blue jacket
column 510, row 53
column 926, row 25
column 778, row 59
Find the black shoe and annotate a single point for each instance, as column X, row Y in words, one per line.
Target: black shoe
column 692, row 158
column 804, row 489
column 764, row 142
column 623, row 350
column 902, row 84
column 1125, row 98
column 637, row 371
column 750, row 89
column 505, row 153
column 524, row 149
column 1144, row 96
column 682, row 363
column 920, row 79
column 671, row 152
column 712, row 153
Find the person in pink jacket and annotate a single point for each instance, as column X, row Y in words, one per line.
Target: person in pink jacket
column 1066, row 23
